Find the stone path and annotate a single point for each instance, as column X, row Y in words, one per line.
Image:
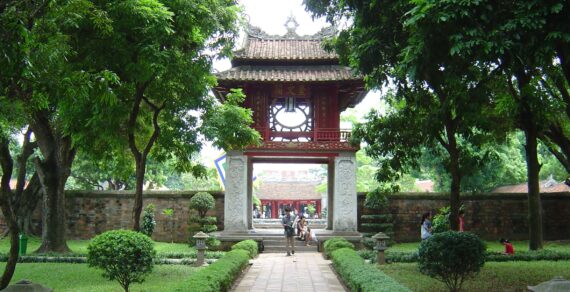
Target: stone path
column 304, row 272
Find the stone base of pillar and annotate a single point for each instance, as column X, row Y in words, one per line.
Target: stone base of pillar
column 345, row 199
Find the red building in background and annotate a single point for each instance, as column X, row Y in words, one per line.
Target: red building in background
column 289, row 188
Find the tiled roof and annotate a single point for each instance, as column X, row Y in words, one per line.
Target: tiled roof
column 284, row 49
column 288, row 191
column 545, row 187
column 289, row 73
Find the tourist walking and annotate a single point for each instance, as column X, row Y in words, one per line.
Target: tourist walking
column 289, row 231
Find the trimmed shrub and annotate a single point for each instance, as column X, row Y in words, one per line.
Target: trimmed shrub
column 124, row 255
column 451, row 257
column 218, row 276
column 359, row 276
column 202, row 202
column 335, row 243
column 148, row 222
column 248, row 245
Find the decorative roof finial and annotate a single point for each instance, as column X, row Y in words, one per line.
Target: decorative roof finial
column 291, row 24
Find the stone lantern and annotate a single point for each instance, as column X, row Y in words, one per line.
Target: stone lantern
column 380, row 246
column 554, row 285
column 200, row 247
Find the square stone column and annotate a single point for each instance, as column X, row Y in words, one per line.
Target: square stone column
column 235, row 202
column 345, row 200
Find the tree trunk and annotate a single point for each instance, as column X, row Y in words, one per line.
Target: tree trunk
column 533, row 169
column 528, row 123
column 138, row 206
column 27, row 203
column 7, row 166
column 454, row 200
column 53, row 207
column 53, row 172
column 454, row 171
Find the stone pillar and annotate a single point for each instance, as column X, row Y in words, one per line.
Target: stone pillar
column 235, row 203
column 330, row 194
column 345, row 200
column 250, row 194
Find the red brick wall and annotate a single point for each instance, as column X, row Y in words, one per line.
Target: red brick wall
column 490, row 216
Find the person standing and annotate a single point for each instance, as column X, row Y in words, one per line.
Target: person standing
column 426, row 225
column 461, row 221
column 289, row 231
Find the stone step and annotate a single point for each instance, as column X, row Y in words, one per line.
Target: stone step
column 281, row 249
column 281, row 242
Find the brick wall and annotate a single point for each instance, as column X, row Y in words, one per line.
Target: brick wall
column 490, row 216
column 92, row 212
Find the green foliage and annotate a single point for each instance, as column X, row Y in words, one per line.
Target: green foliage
column 228, row 125
column 311, row 209
column 376, row 200
column 125, row 256
column 440, row 222
column 202, row 202
column 451, row 257
column 256, row 201
column 360, row 276
column 335, row 243
column 205, row 224
column 248, row 245
column 218, row 276
column 148, row 223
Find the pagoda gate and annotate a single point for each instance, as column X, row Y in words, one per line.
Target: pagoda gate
column 296, row 91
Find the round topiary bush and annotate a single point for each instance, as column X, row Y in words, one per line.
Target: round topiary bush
column 202, row 202
column 451, row 257
column 124, row 255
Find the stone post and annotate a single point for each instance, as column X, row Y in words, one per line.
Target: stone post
column 235, row 203
column 345, row 200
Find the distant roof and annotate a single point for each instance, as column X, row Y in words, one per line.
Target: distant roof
column 289, row 73
column 271, row 190
column 545, row 187
column 260, row 46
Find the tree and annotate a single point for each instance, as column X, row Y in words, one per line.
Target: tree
column 162, row 52
column 438, row 100
column 527, row 42
column 39, row 82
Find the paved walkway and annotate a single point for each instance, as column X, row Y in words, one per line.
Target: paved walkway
column 304, row 272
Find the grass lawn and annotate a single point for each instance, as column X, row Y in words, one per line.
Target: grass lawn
column 80, row 246
column 494, row 276
column 81, row 278
column 491, row 246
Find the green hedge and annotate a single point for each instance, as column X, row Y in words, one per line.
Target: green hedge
column 335, row 243
column 218, row 276
column 248, row 245
column 377, row 217
column 372, row 227
column 412, row 257
column 359, row 276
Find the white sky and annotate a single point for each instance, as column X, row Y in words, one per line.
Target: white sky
column 270, row 16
